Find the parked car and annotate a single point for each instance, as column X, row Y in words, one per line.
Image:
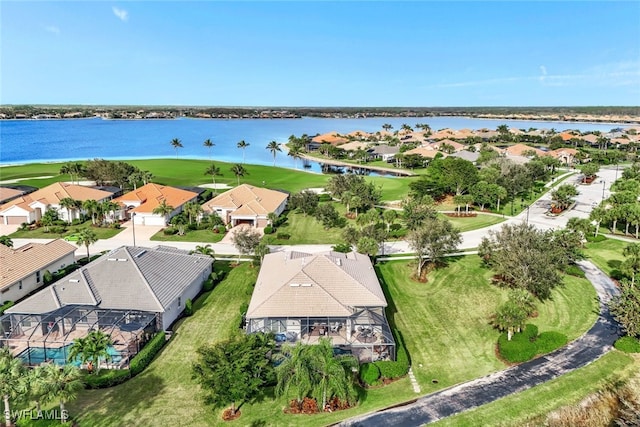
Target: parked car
column 72, row 237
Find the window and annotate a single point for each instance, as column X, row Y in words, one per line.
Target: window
column 20, row 284
column 179, row 301
column 37, row 277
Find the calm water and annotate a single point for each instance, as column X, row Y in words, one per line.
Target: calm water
column 24, row 141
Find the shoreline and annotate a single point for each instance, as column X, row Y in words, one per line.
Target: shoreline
column 397, row 172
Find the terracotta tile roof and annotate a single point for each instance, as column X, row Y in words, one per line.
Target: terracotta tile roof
column 327, row 284
column 151, row 195
column 352, row 146
column 566, row 136
column 330, row 137
column 456, row 145
column 425, row 151
column 359, row 134
column 52, row 194
column 9, row 193
column 18, row 263
column 520, row 149
column 247, row 200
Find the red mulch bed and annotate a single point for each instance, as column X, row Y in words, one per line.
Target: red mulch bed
column 227, row 415
column 310, row 406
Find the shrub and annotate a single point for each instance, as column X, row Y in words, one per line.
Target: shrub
column 106, row 378
column 283, row 236
column 390, row 369
column 369, row 373
column 395, row 227
column 77, row 221
column 170, row 231
column 547, row 342
column 598, row 238
column 627, row 344
column 5, row 306
column 324, row 197
column 141, row 360
column 268, row 230
column 47, row 277
column 398, row 234
column 341, row 247
column 188, row 307
column 57, row 230
column 519, row 349
column 192, row 227
column 207, row 285
column 574, row 270
column 220, row 228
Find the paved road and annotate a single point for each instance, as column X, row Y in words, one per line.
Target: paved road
column 463, row 397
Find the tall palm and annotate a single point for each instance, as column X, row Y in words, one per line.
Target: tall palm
column 272, row 217
column 176, row 144
column 296, row 153
column 209, row 144
column 163, row 209
column 334, row 375
column 106, row 208
column 38, row 384
column 63, row 385
column 213, row 170
column 193, row 211
column 243, row 145
column 91, row 350
column 238, row 171
column 12, row 380
column 86, row 238
column 274, row 147
column 387, row 127
column 69, row 204
column 295, row 373
column 134, row 178
column 91, row 207
column 146, row 177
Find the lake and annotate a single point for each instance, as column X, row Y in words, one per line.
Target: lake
column 28, row 141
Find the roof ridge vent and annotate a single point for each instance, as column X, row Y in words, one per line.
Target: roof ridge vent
column 338, row 262
column 144, row 251
column 74, row 281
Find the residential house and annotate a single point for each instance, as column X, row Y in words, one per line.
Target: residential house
column 567, row 156
column 30, row 207
column 385, row 152
column 333, row 138
column 303, row 297
column 8, row 193
column 128, row 293
column 426, row 151
column 22, row 269
column 470, row 156
column 141, row 203
column 246, row 204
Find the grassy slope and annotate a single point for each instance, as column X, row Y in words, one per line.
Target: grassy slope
column 607, row 255
column 473, row 223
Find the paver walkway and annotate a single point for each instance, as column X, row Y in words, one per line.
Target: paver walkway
column 463, row 397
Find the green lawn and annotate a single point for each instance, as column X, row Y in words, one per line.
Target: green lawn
column 306, row 230
column 607, row 255
column 205, row 236
column 189, row 172
column 568, row 389
column 40, row 233
column 475, row 222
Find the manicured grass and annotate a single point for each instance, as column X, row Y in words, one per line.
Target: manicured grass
column 189, row 172
column 40, row 233
column 454, row 342
column 205, row 236
column 475, row 222
column 305, row 230
column 607, row 255
column 568, row 389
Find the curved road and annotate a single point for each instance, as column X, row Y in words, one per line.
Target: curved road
column 463, row 397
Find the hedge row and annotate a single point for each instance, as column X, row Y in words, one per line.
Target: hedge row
column 112, row 377
column 6, row 305
column 398, row 368
column 574, row 270
column 369, row 373
column 527, row 344
column 628, row 344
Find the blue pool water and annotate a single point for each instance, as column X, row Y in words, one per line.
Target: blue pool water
column 37, row 355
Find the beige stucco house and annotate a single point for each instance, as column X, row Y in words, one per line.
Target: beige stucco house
column 144, row 200
column 247, row 204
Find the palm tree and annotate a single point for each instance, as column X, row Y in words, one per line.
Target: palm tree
column 243, row 145
column 296, row 153
column 70, row 204
column 274, row 147
column 176, row 144
column 295, row 373
column 204, row 250
column 86, row 237
column 38, row 384
column 213, row 170
column 146, row 177
column 49, row 217
column 238, row 171
column 163, row 209
column 91, row 349
column 631, row 263
column 92, row 208
column 6, row 240
column 107, row 207
column 193, row 210
column 389, row 216
column 272, row 217
column 334, row 373
column 209, row 144
column 63, row 385
column 12, row 380
column 134, row 178
column 387, row 127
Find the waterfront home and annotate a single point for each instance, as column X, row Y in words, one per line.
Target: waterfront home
column 22, row 269
column 30, row 207
column 303, row 297
column 141, row 203
column 128, row 293
column 246, row 204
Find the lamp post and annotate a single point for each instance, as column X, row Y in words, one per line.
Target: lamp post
column 603, row 184
column 528, row 206
column 133, row 227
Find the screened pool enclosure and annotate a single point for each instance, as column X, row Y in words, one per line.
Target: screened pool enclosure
column 37, row 338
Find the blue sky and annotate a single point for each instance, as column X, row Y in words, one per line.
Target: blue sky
column 320, row 53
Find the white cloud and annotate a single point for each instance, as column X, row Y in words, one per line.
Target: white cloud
column 52, row 29
column 122, row 14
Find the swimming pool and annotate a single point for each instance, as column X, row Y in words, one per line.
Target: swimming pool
column 38, row 355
